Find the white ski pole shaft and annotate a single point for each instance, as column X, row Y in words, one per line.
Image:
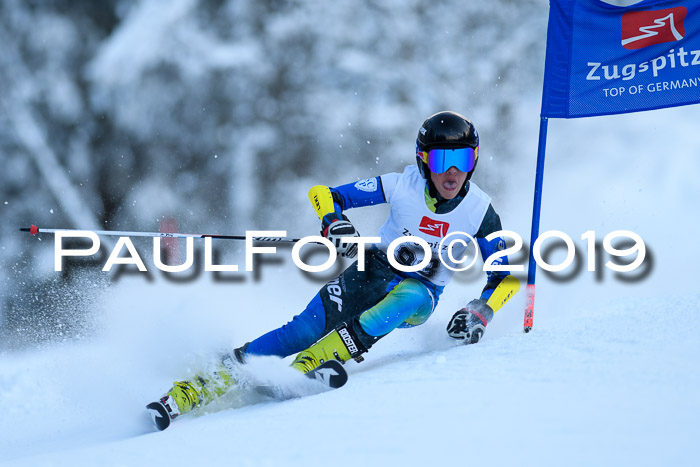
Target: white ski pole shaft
column 33, row 230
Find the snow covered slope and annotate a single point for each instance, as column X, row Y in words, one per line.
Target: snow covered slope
column 616, row 386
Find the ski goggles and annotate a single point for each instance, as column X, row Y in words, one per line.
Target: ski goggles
column 440, row 160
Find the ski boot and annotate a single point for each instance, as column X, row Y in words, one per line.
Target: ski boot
column 186, row 395
column 340, row 344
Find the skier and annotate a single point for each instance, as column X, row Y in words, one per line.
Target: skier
column 352, row 312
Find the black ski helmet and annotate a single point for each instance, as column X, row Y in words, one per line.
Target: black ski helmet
column 445, row 130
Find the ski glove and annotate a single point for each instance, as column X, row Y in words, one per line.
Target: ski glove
column 469, row 323
column 335, row 229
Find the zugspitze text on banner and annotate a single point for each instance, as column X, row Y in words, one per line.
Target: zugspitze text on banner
column 605, row 59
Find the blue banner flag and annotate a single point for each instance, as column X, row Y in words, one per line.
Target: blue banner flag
column 603, row 58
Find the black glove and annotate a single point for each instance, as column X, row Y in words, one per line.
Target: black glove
column 334, row 229
column 469, row 323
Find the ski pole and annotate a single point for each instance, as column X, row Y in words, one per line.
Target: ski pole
column 33, row 230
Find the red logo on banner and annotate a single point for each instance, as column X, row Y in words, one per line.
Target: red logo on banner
column 644, row 28
column 432, row 227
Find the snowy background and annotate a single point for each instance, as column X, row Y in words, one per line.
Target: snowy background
column 220, row 115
